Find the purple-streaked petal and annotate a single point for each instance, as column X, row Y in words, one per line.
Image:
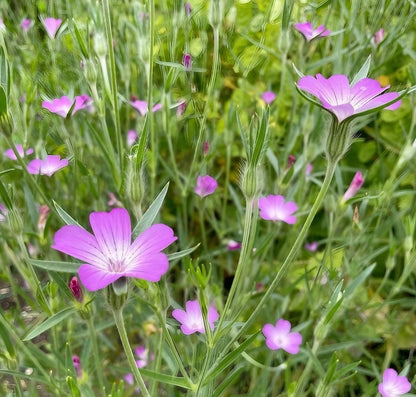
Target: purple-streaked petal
column 365, row 90
column 380, row 101
column 341, row 111
column 77, row 242
column 94, row 278
column 311, row 85
column 150, row 267
column 340, row 87
column 113, row 233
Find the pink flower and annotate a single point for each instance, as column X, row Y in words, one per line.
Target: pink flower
column 192, row 320
column 378, row 37
column 77, row 365
column 393, row 385
column 62, row 106
column 187, row 62
column 131, row 137
column 205, row 185
column 109, row 254
column 339, row 98
column 10, row 154
column 354, row 187
column 233, row 245
column 268, row 97
column 312, row 247
column 142, row 107
column 26, row 24
column 143, row 356
column 76, row 289
column 49, row 166
column 309, row 33
column 181, row 108
column 52, row 25
column 274, row 208
column 280, row 337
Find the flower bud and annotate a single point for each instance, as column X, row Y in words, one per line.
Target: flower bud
column 100, row 45
column 77, row 365
column 187, row 62
column 355, row 185
column 215, row 13
column 44, row 211
column 76, row 290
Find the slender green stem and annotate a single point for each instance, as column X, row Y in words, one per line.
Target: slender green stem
column 246, row 247
column 201, row 135
column 119, row 138
column 118, row 318
column 97, row 359
column 292, row 254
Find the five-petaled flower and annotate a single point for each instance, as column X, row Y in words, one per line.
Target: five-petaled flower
column 48, row 167
column 191, row 318
column 205, row 185
column 19, row 149
column 109, row 254
column 339, row 98
column 274, row 208
column 309, row 33
column 280, row 337
column 393, row 385
column 52, row 25
column 62, row 106
column 354, row 187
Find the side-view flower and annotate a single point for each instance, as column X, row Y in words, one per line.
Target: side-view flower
column 309, row 33
column 48, row 167
column 62, row 106
column 109, row 254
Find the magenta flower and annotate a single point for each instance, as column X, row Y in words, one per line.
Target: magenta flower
column 268, row 97
column 10, row 154
column 26, row 24
column 378, row 37
column 131, row 137
column 187, row 62
column 339, row 98
column 354, row 187
column 62, row 106
column 274, row 208
column 233, row 245
column 76, row 289
column 191, row 318
column 393, row 385
column 205, row 185
column 280, row 337
column 312, row 247
column 309, row 33
column 77, row 365
column 52, row 25
column 142, row 107
column 49, row 166
column 109, row 254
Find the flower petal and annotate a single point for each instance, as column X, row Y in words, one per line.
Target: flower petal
column 150, row 267
column 339, row 86
column 294, row 340
column 283, row 326
column 94, row 278
column 342, row 111
column 365, row 90
column 380, row 101
column 77, row 242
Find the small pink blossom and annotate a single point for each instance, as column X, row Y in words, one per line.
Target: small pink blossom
column 142, row 107
column 113, row 200
column 205, row 185
column 280, row 337
column 131, row 137
column 378, row 37
column 108, row 254
column 393, row 385
column 48, row 167
column 312, row 247
column 233, row 245
column 10, row 153
column 309, row 33
column 77, row 365
column 268, row 97
column 52, row 25
column 354, row 187
column 338, row 97
column 191, row 318
column 274, row 208
column 62, row 106
column 26, row 24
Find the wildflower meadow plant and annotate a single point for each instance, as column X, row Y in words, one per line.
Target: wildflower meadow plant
column 183, row 283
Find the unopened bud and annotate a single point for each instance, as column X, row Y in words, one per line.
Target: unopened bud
column 100, row 46
column 44, row 211
column 76, row 290
column 77, row 365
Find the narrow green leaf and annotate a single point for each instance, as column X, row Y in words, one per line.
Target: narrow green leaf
column 3, row 102
column 65, row 216
column 181, row 254
column 363, row 72
column 50, row 322
column 169, row 379
column 151, row 213
column 5, row 197
column 229, row 359
column 56, row 266
column 352, row 286
column 5, row 336
column 80, row 40
column 24, row 376
column 229, row 380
